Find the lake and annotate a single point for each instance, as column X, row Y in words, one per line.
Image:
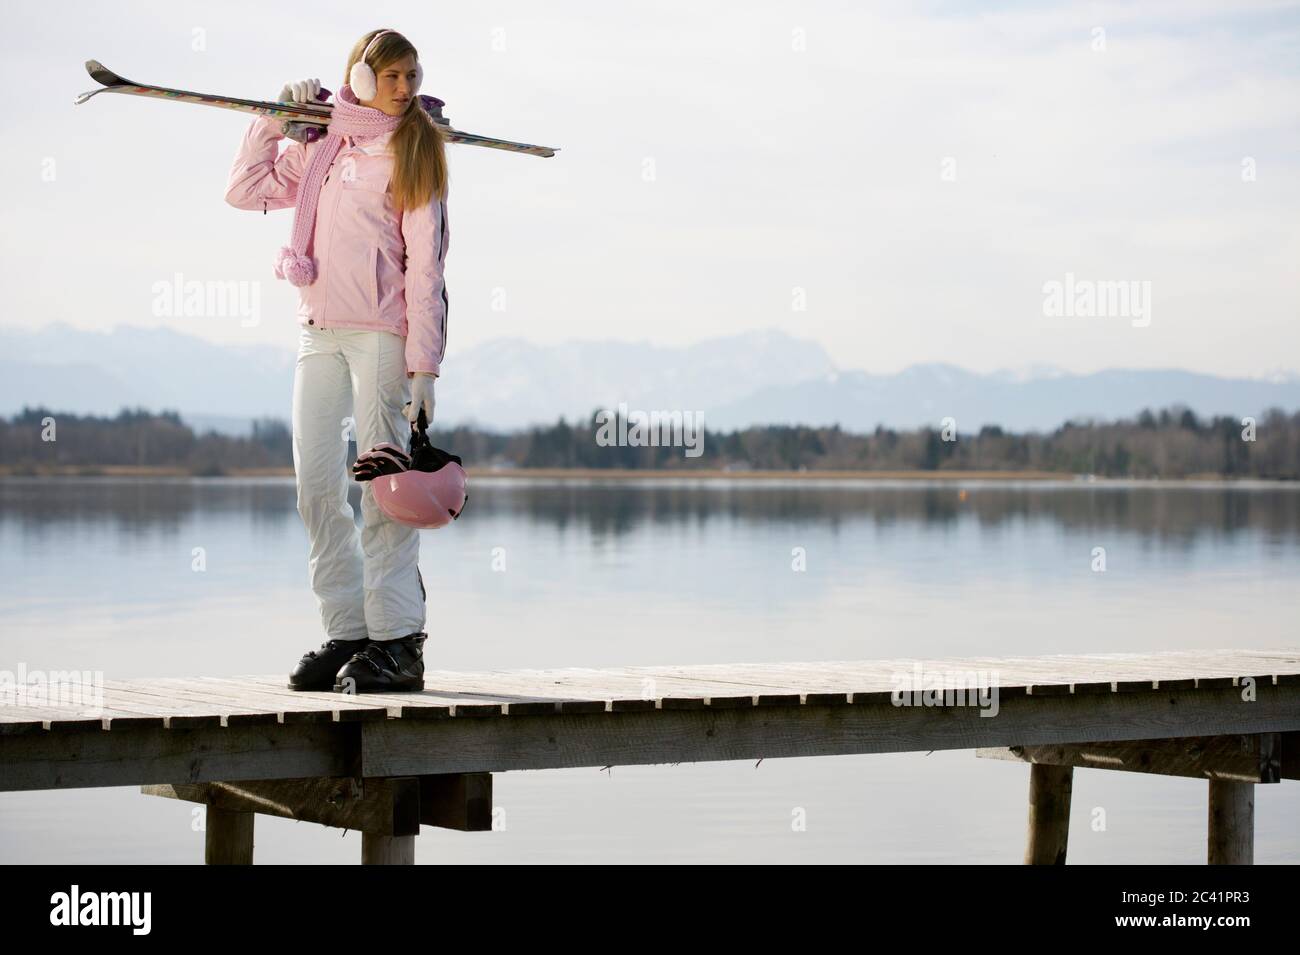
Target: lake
column 99, row 574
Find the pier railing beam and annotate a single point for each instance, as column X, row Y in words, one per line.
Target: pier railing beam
column 1232, row 823
column 228, row 837
column 1049, row 813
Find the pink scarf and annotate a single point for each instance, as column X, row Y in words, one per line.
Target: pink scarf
column 349, row 118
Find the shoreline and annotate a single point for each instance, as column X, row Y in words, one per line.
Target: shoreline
column 622, row 474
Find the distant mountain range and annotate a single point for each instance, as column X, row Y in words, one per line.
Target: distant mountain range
column 761, row 377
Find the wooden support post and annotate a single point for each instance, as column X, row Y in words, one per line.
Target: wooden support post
column 387, row 811
column 1049, row 813
column 457, row 801
column 387, row 850
column 1232, row 823
column 228, row 837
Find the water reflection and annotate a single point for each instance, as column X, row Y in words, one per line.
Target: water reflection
column 1173, row 513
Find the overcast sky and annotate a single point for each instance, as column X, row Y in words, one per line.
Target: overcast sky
column 919, row 171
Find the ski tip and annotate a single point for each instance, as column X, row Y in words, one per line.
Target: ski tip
column 102, row 74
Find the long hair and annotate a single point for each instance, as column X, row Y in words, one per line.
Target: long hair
column 417, row 144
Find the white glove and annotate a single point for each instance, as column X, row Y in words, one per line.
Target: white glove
column 421, row 397
column 300, row 91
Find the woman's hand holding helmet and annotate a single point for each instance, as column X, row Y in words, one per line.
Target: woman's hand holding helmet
column 421, row 397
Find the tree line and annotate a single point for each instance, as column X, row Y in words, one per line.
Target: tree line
column 1172, row 442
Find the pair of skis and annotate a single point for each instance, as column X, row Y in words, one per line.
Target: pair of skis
column 304, row 122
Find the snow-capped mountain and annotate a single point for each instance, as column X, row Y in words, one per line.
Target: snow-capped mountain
column 760, row 377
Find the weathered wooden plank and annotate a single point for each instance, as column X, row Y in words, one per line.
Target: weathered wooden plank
column 180, row 711
column 475, row 694
column 383, row 806
column 191, row 696
column 242, row 707
column 583, row 690
column 1108, row 673
column 872, row 676
column 825, row 685
column 665, row 736
column 1056, row 669
column 22, row 719
column 80, row 717
column 393, row 702
column 286, row 711
column 278, row 696
column 342, row 707
column 569, row 690
column 160, row 755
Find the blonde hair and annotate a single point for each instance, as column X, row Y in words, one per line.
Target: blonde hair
column 417, row 144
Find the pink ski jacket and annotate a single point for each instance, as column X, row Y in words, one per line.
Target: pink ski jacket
column 376, row 267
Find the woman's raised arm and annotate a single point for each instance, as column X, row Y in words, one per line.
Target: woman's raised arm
column 262, row 178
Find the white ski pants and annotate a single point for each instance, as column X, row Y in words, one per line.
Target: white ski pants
column 351, row 382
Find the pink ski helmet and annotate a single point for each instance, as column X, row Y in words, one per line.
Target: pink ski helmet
column 425, row 488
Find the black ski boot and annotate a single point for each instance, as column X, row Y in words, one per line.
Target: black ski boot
column 316, row 669
column 385, row 666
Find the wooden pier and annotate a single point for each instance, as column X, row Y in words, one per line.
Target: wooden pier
column 387, row 764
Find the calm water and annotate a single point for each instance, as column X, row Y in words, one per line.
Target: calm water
column 97, row 575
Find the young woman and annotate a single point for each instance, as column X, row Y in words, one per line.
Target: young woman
column 367, row 251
